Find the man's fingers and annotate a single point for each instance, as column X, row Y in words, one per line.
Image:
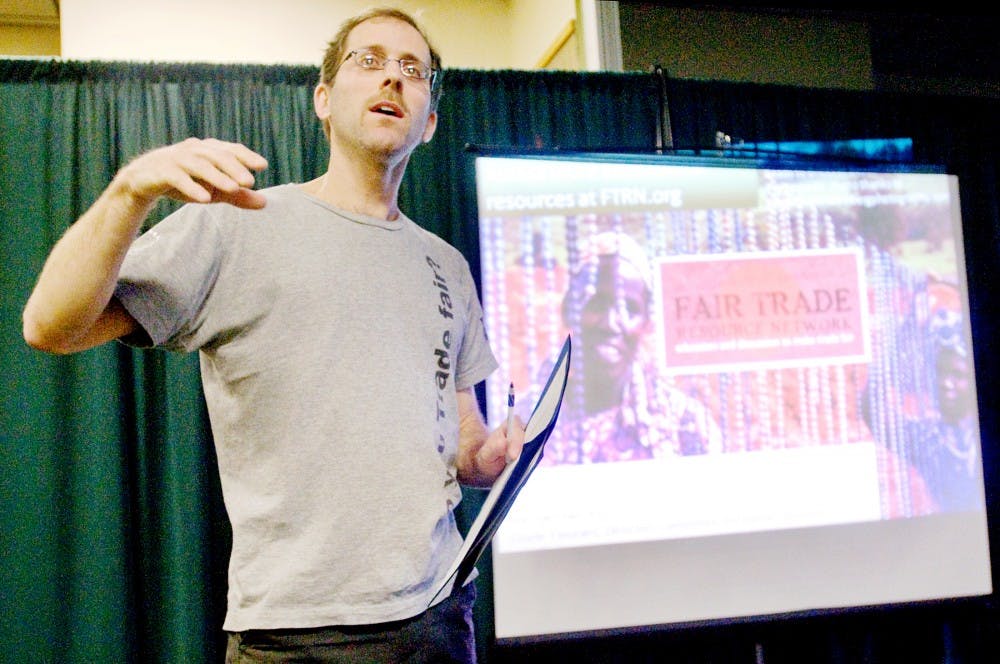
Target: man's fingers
column 214, row 177
column 243, row 198
column 247, row 157
column 515, row 440
column 220, row 169
column 197, row 170
column 234, row 160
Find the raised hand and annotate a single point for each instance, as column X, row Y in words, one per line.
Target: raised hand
column 195, row 171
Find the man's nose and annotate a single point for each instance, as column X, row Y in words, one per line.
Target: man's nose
column 393, row 79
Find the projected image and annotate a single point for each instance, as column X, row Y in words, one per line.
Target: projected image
column 716, row 312
column 772, row 371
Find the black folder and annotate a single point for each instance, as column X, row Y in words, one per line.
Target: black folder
column 509, row 483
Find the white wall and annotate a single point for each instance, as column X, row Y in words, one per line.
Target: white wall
column 470, row 34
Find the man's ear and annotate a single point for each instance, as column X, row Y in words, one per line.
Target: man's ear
column 321, row 101
column 431, row 125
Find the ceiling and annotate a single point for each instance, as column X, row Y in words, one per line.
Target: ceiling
column 29, row 12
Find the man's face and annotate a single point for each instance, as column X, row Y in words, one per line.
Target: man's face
column 379, row 111
column 614, row 319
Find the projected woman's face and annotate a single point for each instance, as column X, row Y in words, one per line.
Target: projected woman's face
column 953, row 385
column 613, row 319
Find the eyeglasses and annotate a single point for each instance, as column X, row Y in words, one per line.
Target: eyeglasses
column 409, row 68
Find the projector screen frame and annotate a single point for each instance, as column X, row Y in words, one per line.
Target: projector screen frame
column 720, row 159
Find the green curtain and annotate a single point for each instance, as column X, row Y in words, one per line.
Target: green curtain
column 114, row 537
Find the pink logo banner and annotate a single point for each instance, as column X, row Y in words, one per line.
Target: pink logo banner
column 756, row 311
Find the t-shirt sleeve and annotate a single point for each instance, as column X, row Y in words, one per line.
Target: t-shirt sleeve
column 166, row 277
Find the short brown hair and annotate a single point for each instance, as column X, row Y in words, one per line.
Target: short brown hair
column 336, row 49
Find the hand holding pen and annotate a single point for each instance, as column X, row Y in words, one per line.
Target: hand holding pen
column 484, row 453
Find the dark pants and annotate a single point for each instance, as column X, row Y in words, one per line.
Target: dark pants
column 443, row 633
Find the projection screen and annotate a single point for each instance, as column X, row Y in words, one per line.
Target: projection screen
column 771, row 407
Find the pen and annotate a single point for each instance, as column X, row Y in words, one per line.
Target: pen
column 510, row 408
column 510, row 415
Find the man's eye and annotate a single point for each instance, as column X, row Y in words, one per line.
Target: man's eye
column 368, row 60
column 410, row 68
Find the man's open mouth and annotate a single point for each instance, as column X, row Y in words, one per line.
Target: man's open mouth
column 387, row 108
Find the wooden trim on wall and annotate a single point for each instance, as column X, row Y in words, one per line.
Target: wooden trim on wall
column 550, row 53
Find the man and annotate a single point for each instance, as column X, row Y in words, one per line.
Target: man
column 339, row 344
column 618, row 405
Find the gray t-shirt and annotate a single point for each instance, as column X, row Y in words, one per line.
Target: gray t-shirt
column 331, row 345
